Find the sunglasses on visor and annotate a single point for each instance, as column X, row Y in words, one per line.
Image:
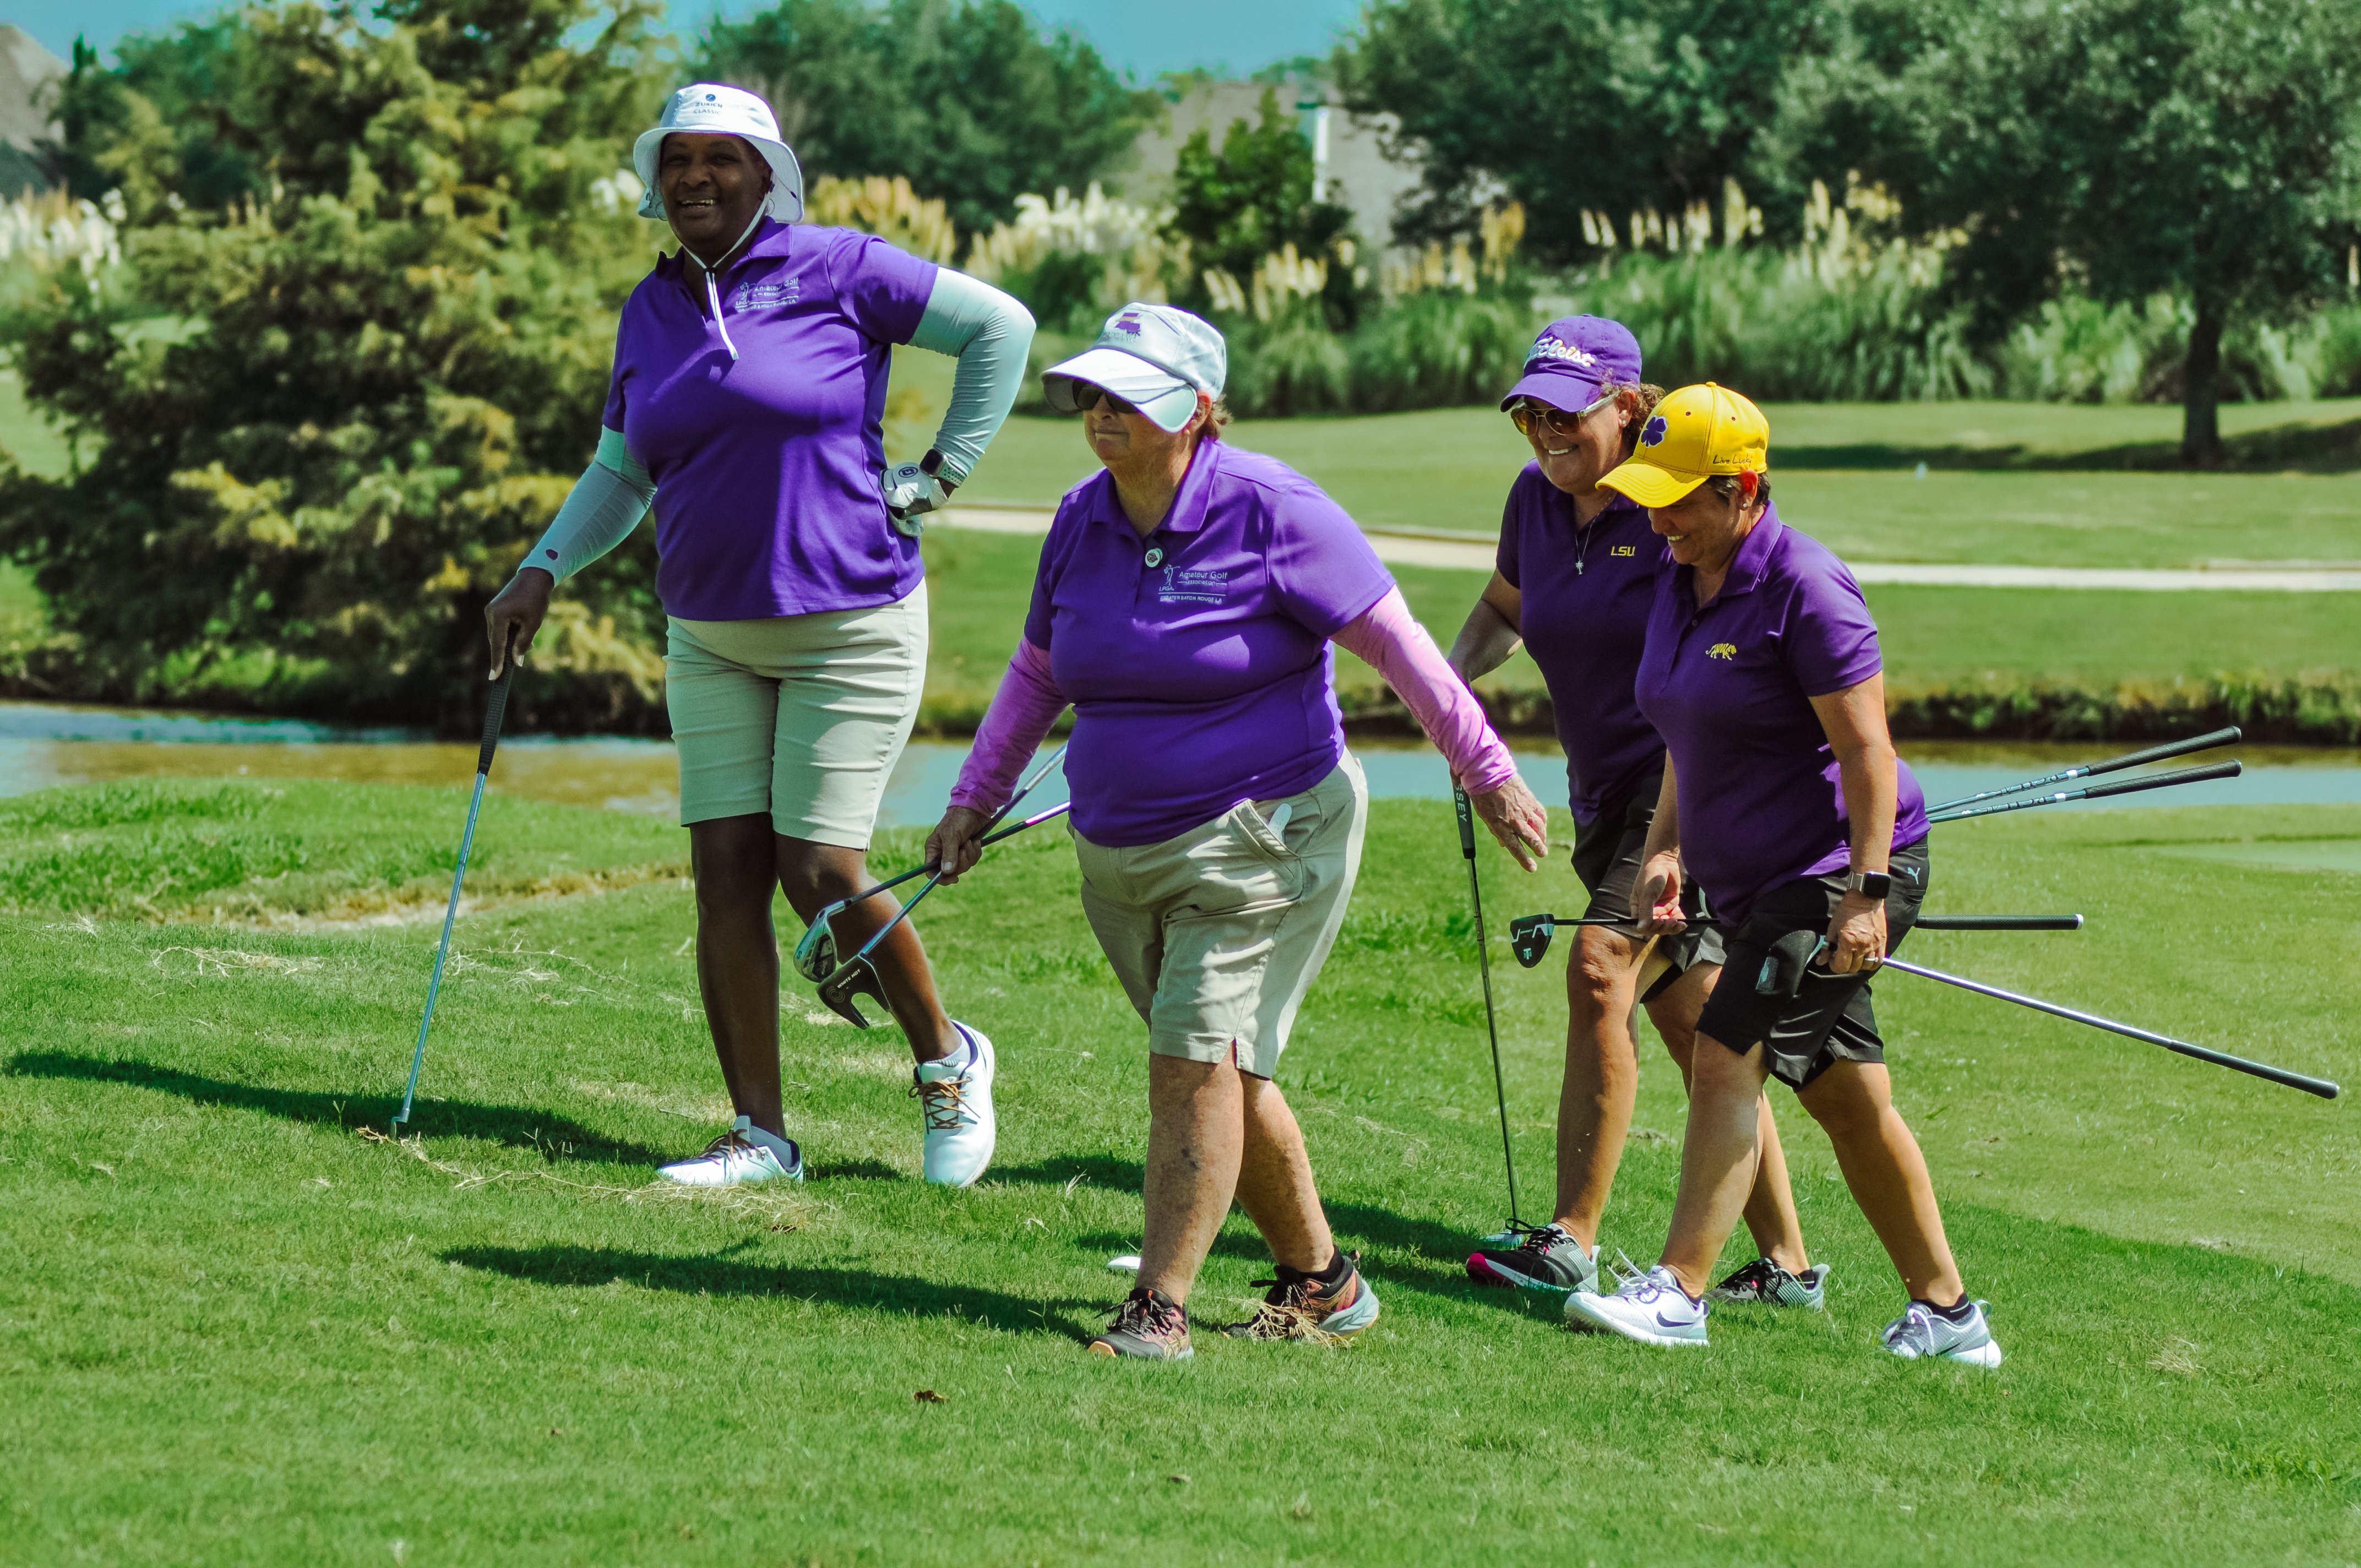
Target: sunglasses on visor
column 1557, row 421
column 1086, row 398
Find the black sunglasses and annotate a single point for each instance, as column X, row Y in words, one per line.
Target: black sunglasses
column 1557, row 421
column 1086, row 398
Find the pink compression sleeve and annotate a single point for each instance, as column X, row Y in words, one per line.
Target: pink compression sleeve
column 1027, row 704
column 1390, row 641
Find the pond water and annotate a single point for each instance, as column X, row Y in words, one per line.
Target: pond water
column 43, row 745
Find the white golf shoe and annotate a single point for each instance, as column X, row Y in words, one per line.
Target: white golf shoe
column 1922, row 1333
column 743, row 1154
column 1651, row 1308
column 955, row 1094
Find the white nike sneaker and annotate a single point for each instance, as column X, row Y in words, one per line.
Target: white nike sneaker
column 743, row 1154
column 1921, row 1333
column 1651, row 1308
column 956, row 1095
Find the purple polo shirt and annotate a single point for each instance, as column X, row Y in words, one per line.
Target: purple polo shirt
column 1728, row 687
column 768, row 466
column 1197, row 659
column 1587, row 594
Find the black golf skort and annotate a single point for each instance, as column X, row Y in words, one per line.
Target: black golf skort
column 1606, row 854
column 1830, row 1018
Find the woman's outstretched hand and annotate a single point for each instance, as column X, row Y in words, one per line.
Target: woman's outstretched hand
column 952, row 845
column 520, row 608
column 1657, row 895
column 1517, row 821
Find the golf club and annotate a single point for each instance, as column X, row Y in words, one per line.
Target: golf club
column 2280, row 1075
column 816, row 957
column 1997, row 923
column 494, row 710
column 857, row 976
column 2229, row 770
column 1528, row 935
column 1484, row 965
column 2228, row 737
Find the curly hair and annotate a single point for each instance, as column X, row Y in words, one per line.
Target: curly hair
column 1639, row 400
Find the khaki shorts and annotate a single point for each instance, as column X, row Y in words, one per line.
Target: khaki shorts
column 1216, row 934
column 801, row 717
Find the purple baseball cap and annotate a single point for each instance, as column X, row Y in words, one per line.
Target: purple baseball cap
column 1572, row 358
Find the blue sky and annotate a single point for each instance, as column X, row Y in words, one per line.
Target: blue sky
column 1241, row 34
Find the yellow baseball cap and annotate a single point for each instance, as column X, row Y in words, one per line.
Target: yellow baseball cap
column 1695, row 433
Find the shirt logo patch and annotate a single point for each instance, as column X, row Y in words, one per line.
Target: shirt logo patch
column 1181, row 585
column 1625, row 550
column 1722, row 651
column 1551, row 347
column 1654, row 431
column 756, row 296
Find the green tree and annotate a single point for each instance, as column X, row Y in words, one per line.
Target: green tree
column 1611, row 104
column 332, row 414
column 1237, row 204
column 2207, row 148
column 969, row 100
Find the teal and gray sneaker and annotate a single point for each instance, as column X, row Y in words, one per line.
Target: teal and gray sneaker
column 1303, row 1306
column 1546, row 1259
column 1149, row 1325
column 1925, row 1331
column 1764, row 1283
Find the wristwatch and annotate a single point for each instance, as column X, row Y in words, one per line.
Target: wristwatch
column 1870, row 885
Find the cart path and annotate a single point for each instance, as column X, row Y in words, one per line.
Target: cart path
column 1476, row 555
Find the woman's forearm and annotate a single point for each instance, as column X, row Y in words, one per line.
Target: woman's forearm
column 1389, row 640
column 1027, row 703
column 1485, row 642
column 1665, row 827
column 606, row 503
column 990, row 333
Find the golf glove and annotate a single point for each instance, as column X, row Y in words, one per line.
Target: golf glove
column 913, row 490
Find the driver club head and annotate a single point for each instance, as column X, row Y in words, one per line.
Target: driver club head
column 816, row 957
column 1529, row 936
column 858, row 977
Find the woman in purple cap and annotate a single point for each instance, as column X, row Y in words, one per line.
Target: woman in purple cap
column 1576, row 574
column 749, row 388
column 1783, row 795
column 1184, row 607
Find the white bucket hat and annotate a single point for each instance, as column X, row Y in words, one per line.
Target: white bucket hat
column 1155, row 357
column 710, row 108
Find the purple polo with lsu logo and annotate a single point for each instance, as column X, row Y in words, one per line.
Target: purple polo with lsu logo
column 767, row 466
column 1197, row 659
column 1728, row 687
column 1587, row 593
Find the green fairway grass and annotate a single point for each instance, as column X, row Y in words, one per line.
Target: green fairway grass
column 238, row 1332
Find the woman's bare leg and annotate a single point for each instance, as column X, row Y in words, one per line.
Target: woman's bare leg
column 1720, row 1156
column 1853, row 1102
column 1770, row 1213
column 1274, row 1185
column 1602, row 1077
column 815, row 875
column 1195, row 1143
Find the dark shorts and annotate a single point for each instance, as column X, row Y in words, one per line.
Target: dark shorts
column 1607, row 851
column 1832, row 1018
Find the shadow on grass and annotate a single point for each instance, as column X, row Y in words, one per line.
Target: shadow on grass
column 552, row 1137
column 2307, row 448
column 853, row 1170
column 722, row 1274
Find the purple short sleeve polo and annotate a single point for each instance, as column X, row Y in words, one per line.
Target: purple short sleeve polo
column 768, row 465
column 1586, row 593
column 1197, row 659
column 1728, row 687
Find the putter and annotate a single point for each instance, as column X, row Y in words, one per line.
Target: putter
column 2280, row 1075
column 857, row 976
column 1997, row 923
column 2229, row 770
column 1491, row 1022
column 2228, row 737
column 494, row 710
column 816, row 955
column 1528, row 935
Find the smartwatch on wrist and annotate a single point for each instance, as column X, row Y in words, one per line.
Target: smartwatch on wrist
column 1870, row 885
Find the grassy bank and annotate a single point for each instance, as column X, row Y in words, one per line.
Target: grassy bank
column 240, row 1332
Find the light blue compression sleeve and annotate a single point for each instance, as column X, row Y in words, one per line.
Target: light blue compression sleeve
column 606, row 503
column 989, row 334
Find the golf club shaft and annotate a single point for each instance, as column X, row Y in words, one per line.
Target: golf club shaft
column 1467, row 814
column 1024, row 789
column 886, row 930
column 2320, row 1086
column 1997, row 923
column 495, row 710
column 2229, row 770
column 2225, row 737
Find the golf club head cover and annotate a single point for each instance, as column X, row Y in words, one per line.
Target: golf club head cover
column 1790, row 955
column 1529, row 936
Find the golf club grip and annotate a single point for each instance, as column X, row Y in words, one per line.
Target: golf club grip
column 1459, row 803
column 1998, row 923
column 2227, row 736
column 2229, row 770
column 497, row 708
column 2280, row 1075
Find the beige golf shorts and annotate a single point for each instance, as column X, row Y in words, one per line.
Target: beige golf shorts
column 800, row 717
column 1217, row 935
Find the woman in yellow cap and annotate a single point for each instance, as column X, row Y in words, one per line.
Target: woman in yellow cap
column 1784, row 797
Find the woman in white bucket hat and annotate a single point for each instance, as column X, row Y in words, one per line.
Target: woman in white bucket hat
column 746, row 409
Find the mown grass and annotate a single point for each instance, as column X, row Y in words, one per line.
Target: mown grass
column 239, row 1333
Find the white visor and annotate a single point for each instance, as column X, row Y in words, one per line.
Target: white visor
column 1169, row 401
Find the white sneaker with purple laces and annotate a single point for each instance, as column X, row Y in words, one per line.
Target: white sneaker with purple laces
column 1651, row 1308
